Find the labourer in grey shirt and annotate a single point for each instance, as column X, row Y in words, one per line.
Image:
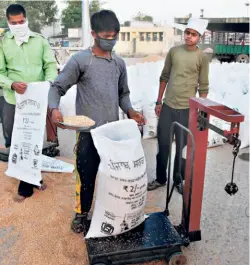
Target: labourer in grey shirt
column 102, row 87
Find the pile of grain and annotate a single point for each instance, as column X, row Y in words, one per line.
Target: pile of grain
column 78, row 121
column 37, row 231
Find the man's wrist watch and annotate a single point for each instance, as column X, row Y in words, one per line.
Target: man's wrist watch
column 158, row 103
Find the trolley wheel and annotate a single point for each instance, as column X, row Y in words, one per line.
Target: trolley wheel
column 177, row 259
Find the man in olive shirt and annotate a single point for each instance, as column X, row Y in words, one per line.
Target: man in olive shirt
column 25, row 57
column 185, row 71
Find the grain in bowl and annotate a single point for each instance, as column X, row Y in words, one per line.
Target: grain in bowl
column 78, row 121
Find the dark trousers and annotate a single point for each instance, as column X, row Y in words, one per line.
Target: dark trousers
column 87, row 163
column 1, row 107
column 167, row 117
column 25, row 189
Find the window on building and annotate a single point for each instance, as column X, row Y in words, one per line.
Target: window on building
column 161, row 36
column 155, row 36
column 142, row 36
column 128, row 36
column 123, row 36
column 148, row 36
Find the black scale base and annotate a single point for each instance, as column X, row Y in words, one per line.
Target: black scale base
column 155, row 239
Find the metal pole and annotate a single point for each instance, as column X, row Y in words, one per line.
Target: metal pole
column 82, row 23
column 85, row 24
column 247, row 5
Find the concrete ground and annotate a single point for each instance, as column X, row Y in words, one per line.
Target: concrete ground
column 224, row 224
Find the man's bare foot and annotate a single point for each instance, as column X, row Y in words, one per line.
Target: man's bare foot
column 18, row 198
column 42, row 187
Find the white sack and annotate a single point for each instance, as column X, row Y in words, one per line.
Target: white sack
column 121, row 114
column 122, row 184
column 150, row 128
column 137, row 106
column 25, row 157
column 215, row 139
column 68, row 102
column 50, row 164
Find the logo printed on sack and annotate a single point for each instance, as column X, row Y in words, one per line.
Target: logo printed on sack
column 124, row 225
column 14, row 158
column 21, row 154
column 35, row 162
column 36, row 150
column 107, row 228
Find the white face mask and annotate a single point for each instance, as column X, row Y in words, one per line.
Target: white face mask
column 19, row 30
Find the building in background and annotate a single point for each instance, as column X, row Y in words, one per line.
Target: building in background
column 144, row 38
column 52, row 30
column 72, row 39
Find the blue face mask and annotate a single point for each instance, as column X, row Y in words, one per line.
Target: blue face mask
column 106, row 44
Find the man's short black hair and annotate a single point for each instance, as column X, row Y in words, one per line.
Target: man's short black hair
column 105, row 20
column 14, row 10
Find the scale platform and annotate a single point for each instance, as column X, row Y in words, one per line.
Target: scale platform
column 155, row 239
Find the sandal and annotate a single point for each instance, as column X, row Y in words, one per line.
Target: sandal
column 155, row 185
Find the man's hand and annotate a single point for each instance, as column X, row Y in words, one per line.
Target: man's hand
column 158, row 110
column 203, row 95
column 137, row 116
column 57, row 117
column 19, row 87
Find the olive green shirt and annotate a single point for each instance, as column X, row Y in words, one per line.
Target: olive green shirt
column 185, row 72
column 33, row 61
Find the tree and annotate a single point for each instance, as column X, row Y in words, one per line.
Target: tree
column 95, row 6
column 127, row 24
column 143, row 17
column 39, row 13
column 72, row 14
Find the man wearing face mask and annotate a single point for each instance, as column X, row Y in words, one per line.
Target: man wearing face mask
column 25, row 57
column 102, row 87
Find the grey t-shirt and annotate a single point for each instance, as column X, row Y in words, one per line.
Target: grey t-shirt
column 101, row 86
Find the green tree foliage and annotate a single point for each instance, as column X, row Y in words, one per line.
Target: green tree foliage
column 72, row 14
column 143, row 17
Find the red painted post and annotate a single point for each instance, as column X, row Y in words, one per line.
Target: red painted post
column 199, row 166
column 200, row 138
